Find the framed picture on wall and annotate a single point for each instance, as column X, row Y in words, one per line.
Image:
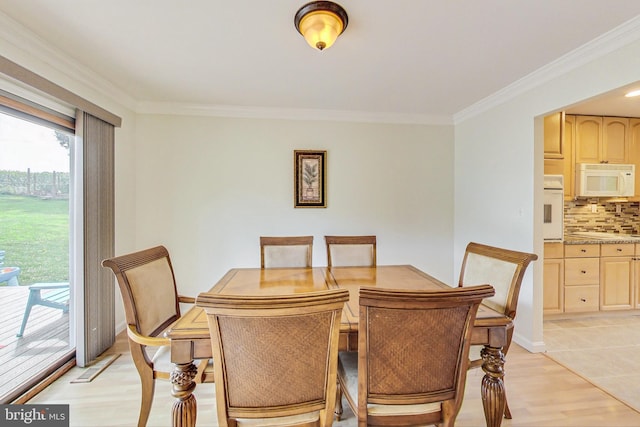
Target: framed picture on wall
column 310, row 177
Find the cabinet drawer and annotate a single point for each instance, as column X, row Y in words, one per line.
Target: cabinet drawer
column 553, row 250
column 620, row 249
column 579, row 251
column 581, row 298
column 581, row 271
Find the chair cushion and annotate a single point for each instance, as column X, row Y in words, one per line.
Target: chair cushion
column 154, row 294
column 346, row 255
column 291, row 420
column 481, row 269
column 348, row 371
column 285, row 256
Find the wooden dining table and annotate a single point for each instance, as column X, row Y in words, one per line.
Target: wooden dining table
column 190, row 338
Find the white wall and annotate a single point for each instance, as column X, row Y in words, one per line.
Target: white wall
column 207, row 188
column 499, row 168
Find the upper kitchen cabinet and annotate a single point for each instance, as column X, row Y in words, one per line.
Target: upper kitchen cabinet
column 553, row 146
column 559, row 131
column 601, row 139
column 634, row 152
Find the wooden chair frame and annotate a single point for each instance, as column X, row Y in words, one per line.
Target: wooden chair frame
column 286, row 241
column 351, row 240
column 140, row 334
column 403, row 379
column 301, row 332
column 520, row 261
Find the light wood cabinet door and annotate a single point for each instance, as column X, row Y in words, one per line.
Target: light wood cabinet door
column 581, row 271
column 580, row 299
column 553, row 286
column 634, row 152
column 553, row 148
column 616, row 283
column 568, row 143
column 588, row 139
column 615, row 140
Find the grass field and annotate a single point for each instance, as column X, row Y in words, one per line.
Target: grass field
column 34, row 233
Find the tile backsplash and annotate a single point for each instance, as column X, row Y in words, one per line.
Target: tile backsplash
column 621, row 217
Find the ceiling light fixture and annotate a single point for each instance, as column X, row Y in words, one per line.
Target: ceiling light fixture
column 633, row 93
column 320, row 23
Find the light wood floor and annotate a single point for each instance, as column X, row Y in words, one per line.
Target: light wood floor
column 541, row 393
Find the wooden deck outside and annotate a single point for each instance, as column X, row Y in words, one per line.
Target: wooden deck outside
column 45, row 339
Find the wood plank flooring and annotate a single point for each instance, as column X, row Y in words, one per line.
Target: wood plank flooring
column 45, row 339
column 540, row 392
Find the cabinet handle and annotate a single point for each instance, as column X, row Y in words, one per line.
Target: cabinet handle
column 583, row 272
column 583, row 299
column 619, row 250
column 583, row 250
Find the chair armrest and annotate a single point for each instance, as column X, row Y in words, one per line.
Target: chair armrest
column 188, row 300
column 144, row 340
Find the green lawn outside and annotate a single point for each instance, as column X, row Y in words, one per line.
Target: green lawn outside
column 34, row 233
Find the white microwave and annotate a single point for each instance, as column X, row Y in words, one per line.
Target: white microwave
column 605, row 180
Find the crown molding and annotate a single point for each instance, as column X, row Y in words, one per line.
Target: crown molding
column 617, row 38
column 289, row 114
column 28, row 48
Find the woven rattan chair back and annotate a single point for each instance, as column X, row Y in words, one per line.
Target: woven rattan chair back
column 412, row 355
column 286, row 252
column 275, row 357
column 503, row 269
column 351, row 251
column 151, row 304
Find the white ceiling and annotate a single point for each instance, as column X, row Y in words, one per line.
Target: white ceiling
column 414, row 58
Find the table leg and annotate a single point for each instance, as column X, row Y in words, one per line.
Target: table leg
column 185, row 408
column 492, row 388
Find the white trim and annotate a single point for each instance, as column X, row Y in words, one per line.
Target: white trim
column 531, row 346
column 76, row 253
column 291, row 114
column 617, row 38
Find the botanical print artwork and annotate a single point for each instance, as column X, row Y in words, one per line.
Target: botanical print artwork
column 310, row 189
column 310, row 178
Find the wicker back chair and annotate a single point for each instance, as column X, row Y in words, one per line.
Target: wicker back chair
column 287, row 252
column 503, row 269
column 275, row 357
column 151, row 304
column 351, row 251
column 412, row 359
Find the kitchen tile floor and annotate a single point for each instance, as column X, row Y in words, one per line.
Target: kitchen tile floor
column 603, row 350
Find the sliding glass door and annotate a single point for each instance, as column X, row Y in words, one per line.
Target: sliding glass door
column 36, row 289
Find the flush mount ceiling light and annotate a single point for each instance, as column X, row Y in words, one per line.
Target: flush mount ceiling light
column 320, row 23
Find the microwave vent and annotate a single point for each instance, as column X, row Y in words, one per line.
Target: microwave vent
column 606, row 166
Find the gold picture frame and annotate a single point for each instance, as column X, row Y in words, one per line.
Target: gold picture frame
column 310, row 178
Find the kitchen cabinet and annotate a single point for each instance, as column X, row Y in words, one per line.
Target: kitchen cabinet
column 553, row 281
column 559, row 130
column 581, row 278
column 553, row 144
column 634, row 153
column 601, row 139
column 617, row 264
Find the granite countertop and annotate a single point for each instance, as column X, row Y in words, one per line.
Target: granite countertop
column 600, row 237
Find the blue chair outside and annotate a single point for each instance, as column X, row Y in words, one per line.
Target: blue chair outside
column 56, row 296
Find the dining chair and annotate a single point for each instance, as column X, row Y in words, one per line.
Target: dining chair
column 151, row 303
column 351, row 251
column 294, row 251
column 413, row 346
column 275, row 357
column 503, row 269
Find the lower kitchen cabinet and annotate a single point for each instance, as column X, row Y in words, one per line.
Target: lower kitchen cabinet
column 617, row 264
column 581, row 298
column 553, row 281
column 581, row 278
